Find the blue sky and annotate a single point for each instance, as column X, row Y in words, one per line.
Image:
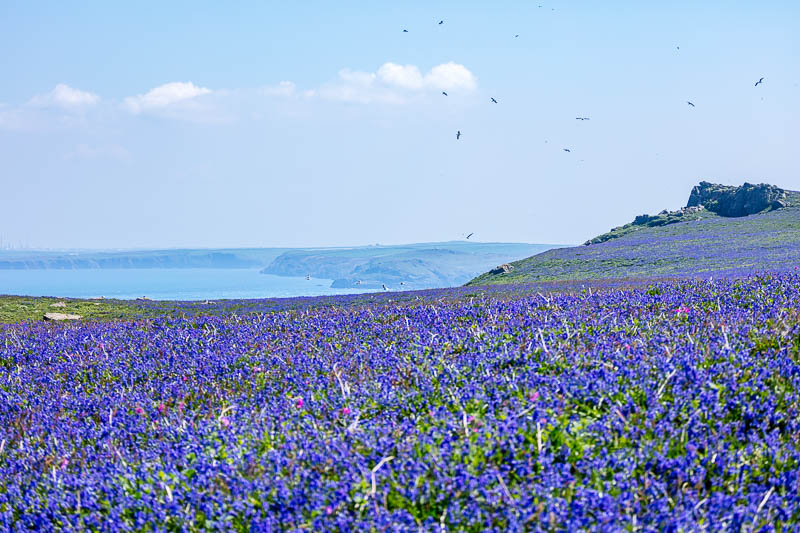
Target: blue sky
column 199, row 124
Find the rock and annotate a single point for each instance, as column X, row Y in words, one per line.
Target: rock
column 502, row 269
column 58, row 304
column 731, row 201
column 61, row 316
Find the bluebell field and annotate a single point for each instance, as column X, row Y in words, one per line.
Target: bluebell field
column 672, row 406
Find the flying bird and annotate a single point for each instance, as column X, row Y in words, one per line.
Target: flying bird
column 582, row 118
column 444, row 93
column 441, row 22
column 384, row 286
column 759, row 82
column 493, row 100
column 458, row 134
column 688, row 102
column 470, row 235
column 517, row 35
column 567, row 150
column 405, row 31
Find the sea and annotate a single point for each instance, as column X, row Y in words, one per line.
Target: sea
column 162, row 284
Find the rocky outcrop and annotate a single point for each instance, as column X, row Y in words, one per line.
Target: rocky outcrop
column 649, row 221
column 502, row 269
column 60, row 316
column 732, row 201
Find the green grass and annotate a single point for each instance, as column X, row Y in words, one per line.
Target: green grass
column 15, row 309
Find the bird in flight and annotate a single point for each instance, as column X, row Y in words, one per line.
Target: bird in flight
column 458, row 134
column 567, row 150
column 517, row 35
column 470, row 235
column 760, row 81
column 405, row 31
column 493, row 100
column 384, row 286
column 444, row 93
column 582, row 118
column 441, row 22
column 688, row 102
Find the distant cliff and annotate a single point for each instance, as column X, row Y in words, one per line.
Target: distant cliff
column 399, row 267
column 245, row 258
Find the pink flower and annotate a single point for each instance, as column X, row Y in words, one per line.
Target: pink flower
column 64, row 463
column 257, row 369
column 299, row 403
column 139, row 410
column 224, row 421
column 534, row 396
column 681, row 309
column 162, row 408
column 181, row 405
column 345, row 411
column 329, row 510
column 185, row 379
column 101, row 346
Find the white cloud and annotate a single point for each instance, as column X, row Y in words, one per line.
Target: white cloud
column 65, row 97
column 393, row 83
column 164, row 96
column 451, row 76
column 407, row 77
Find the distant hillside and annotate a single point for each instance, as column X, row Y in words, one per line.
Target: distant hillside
column 722, row 229
column 414, row 266
column 222, row 258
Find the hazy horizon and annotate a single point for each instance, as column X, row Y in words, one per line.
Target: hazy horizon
column 202, row 125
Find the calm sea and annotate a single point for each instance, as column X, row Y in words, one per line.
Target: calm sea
column 161, row 284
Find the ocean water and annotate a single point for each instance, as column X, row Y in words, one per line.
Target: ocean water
column 162, row 284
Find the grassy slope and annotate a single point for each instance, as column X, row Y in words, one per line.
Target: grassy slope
column 18, row 308
column 764, row 241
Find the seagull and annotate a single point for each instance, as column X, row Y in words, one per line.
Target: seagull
column 384, row 286
column 517, row 35
column 458, row 134
column 358, row 282
column 493, row 100
column 308, row 276
column 405, row 31
column 688, row 102
column 470, row 235
column 441, row 22
column 567, row 150
column 582, row 118
column 444, row 93
column 759, row 82
column 402, row 283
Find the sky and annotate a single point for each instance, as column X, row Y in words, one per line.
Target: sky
column 314, row 123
